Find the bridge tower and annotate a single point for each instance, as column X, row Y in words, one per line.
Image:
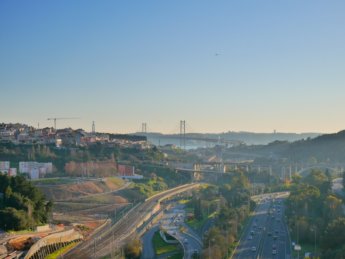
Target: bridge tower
column 144, row 127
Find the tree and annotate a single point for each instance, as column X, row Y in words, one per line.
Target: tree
column 12, row 219
column 23, row 205
column 319, row 179
column 296, row 178
column 333, row 207
column 239, row 180
column 133, row 249
column 334, row 236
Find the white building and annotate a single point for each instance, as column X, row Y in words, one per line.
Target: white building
column 35, row 169
column 34, row 174
column 7, row 134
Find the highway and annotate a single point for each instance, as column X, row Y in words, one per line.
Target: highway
column 104, row 242
column 171, row 222
column 266, row 235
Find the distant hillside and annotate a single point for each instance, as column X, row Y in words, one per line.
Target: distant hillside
column 324, row 148
column 250, row 138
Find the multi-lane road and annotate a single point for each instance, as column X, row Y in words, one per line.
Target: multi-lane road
column 266, row 235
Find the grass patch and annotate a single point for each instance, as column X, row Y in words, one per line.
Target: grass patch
column 195, row 223
column 54, row 181
column 116, row 180
column 169, row 237
column 21, row 232
column 99, row 198
column 61, row 251
column 185, row 201
column 161, row 247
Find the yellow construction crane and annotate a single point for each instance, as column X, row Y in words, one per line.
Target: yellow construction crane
column 55, row 119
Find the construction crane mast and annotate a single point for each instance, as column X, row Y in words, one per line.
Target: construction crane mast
column 55, row 119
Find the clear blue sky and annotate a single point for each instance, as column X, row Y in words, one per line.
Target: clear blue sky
column 280, row 64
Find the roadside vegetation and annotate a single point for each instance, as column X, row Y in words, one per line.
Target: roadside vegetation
column 315, row 215
column 133, row 249
column 61, row 251
column 202, row 207
column 232, row 210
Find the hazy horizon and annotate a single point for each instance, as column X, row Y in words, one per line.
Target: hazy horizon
column 167, row 133
column 239, row 66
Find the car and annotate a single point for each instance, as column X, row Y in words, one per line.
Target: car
column 274, row 251
column 253, row 249
column 250, row 237
column 185, row 241
column 269, row 233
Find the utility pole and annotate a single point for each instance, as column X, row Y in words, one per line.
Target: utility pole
column 183, row 134
column 94, row 248
column 314, row 229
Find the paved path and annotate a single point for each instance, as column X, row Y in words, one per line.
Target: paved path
column 148, row 250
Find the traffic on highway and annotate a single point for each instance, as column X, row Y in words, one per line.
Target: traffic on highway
column 171, row 222
column 266, row 235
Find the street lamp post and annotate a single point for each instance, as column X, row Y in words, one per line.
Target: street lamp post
column 314, row 230
column 209, row 247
